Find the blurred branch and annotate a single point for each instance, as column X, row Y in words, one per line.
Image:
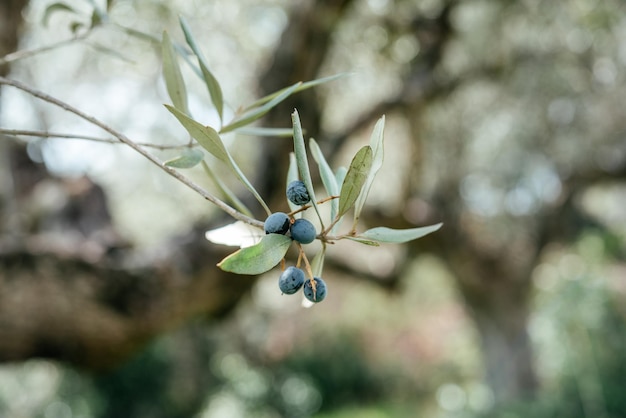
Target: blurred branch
column 97, row 313
column 27, row 53
column 46, row 134
column 123, row 138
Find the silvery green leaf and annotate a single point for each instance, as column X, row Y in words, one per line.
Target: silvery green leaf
column 398, row 236
column 328, row 177
column 355, row 178
column 364, row 241
column 258, row 258
column 189, row 158
column 206, row 136
column 260, row 131
column 211, row 141
column 173, row 77
column 215, row 91
column 257, row 112
column 302, row 161
column 292, row 175
column 317, row 264
column 376, row 143
column 226, row 192
column 301, row 87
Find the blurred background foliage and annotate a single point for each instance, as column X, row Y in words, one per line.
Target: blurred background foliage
column 504, row 120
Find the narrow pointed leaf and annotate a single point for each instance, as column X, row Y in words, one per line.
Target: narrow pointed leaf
column 292, row 175
column 112, row 52
column 303, row 162
column 260, row 131
column 355, row 178
column 303, row 86
column 398, row 236
column 206, row 136
column 376, row 143
column 210, row 140
column 364, row 241
column 256, row 113
column 340, row 176
column 230, row 196
column 173, row 77
column 258, row 258
column 317, row 264
column 215, row 91
column 188, row 158
column 328, row 177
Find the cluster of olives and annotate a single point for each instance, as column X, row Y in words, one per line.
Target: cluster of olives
column 293, row 278
column 302, row 231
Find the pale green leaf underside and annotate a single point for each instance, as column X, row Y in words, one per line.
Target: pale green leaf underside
column 187, row 159
column 328, row 177
column 215, row 91
column 376, row 143
column 226, row 191
column 292, row 175
column 317, row 264
column 173, row 77
column 398, row 236
column 258, row 258
column 257, row 112
column 206, row 136
column 210, row 140
column 301, row 87
column 260, row 131
column 364, row 241
column 355, row 178
column 302, row 161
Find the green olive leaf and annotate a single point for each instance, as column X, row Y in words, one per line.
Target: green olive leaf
column 376, row 143
column 173, row 77
column 398, row 236
column 364, row 241
column 206, row 136
column 260, row 131
column 328, row 177
column 355, row 179
column 215, row 91
column 292, row 175
column 189, row 158
column 301, row 87
column 257, row 112
column 211, row 141
column 258, row 258
column 317, row 264
column 303, row 162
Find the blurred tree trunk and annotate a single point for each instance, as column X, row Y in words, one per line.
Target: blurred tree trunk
column 497, row 298
column 302, row 50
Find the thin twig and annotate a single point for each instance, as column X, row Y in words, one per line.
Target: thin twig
column 123, row 138
column 26, row 53
column 47, row 134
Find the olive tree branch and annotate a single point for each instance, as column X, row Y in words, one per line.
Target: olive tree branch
column 123, row 138
column 46, row 134
column 27, row 53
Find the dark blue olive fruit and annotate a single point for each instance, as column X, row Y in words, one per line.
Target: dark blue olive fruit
column 303, row 231
column 297, row 193
column 277, row 223
column 291, row 280
column 320, row 290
